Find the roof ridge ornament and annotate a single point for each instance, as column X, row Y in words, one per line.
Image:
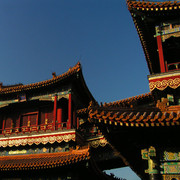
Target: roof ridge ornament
column 20, row 87
column 93, row 104
column 54, row 75
column 162, row 105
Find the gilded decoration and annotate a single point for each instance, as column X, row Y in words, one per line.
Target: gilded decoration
column 97, row 143
column 171, row 168
column 37, row 140
column 170, row 177
column 171, row 156
column 162, row 105
column 163, row 84
column 150, row 155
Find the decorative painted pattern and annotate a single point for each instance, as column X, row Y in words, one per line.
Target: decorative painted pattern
column 50, row 97
column 171, row 168
column 36, row 150
column 162, row 84
column 169, row 31
column 38, row 139
column 99, row 142
column 149, row 155
column 170, row 177
column 6, row 103
column 171, row 156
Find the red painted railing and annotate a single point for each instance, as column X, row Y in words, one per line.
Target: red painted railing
column 172, row 66
column 34, row 128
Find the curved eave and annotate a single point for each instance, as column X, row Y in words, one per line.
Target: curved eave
column 46, row 83
column 42, row 161
column 145, row 16
column 135, row 101
column 153, row 6
column 149, row 117
column 148, row 44
column 84, row 90
column 143, row 98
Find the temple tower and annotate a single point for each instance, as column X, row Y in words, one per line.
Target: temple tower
column 158, row 27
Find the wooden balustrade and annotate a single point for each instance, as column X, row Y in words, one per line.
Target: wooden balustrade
column 172, row 66
column 34, row 128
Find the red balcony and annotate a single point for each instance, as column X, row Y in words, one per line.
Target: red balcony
column 39, row 128
column 161, row 81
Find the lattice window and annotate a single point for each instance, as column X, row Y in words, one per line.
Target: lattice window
column 42, row 117
column 24, row 120
column 46, row 115
column 50, row 117
column 33, row 119
column 29, row 119
column 8, row 122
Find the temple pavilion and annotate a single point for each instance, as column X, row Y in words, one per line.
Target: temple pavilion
column 55, row 129
column 39, row 136
column 143, row 130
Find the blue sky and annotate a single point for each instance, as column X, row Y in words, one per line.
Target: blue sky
column 45, row 36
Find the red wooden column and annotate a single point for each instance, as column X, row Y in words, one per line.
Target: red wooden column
column 161, row 56
column 45, row 121
column 74, row 119
column 69, row 112
column 77, row 123
column 55, row 112
column 3, row 126
column 17, row 128
column 59, row 117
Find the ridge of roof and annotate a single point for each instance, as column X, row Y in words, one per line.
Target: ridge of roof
column 153, row 6
column 129, row 101
column 53, row 80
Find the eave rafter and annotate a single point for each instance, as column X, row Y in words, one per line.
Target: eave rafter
column 43, row 161
column 137, row 118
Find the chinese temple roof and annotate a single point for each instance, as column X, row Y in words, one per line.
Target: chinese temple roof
column 46, row 160
column 129, row 102
column 18, row 88
column 137, row 111
column 148, row 117
column 153, row 5
column 142, row 99
column 71, row 81
column 146, row 15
